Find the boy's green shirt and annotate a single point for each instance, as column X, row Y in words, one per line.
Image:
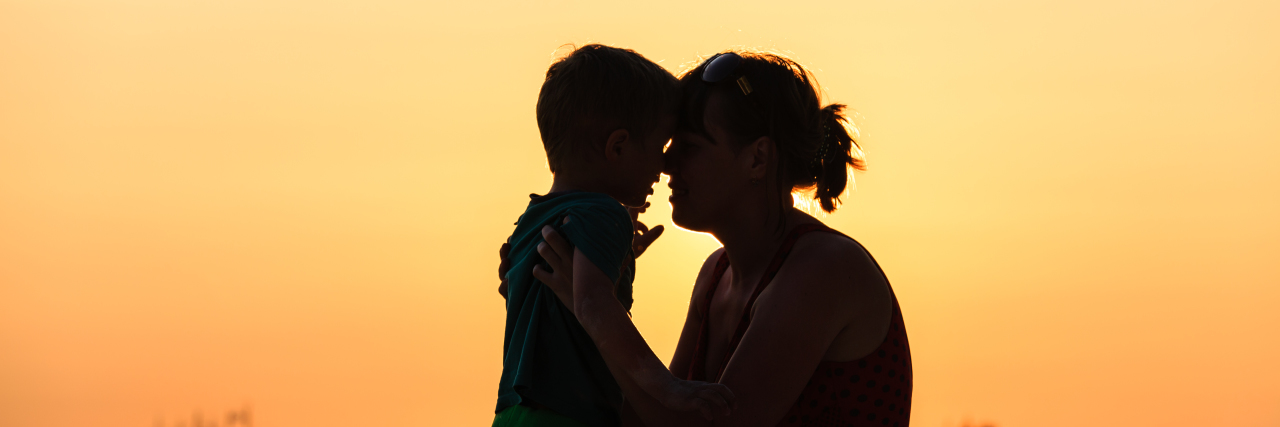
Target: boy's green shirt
column 548, row 358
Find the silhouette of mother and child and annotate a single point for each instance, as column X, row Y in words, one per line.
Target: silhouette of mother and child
column 790, row 323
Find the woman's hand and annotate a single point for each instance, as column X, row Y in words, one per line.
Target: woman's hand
column 713, row 400
column 504, row 265
column 558, row 254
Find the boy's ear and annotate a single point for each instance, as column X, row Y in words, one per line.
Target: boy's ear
column 613, row 146
column 757, row 156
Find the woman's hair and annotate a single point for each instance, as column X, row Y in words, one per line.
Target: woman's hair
column 780, row 100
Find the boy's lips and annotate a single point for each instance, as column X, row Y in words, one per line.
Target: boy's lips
column 652, row 183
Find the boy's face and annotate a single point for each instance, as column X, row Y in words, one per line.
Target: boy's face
column 642, row 163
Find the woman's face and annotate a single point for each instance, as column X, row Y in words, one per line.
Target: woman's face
column 707, row 176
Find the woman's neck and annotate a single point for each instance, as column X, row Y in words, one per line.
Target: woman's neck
column 751, row 243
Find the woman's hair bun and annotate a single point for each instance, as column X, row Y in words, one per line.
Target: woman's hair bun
column 837, row 151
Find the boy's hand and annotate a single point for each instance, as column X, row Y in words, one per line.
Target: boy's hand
column 644, row 236
column 712, row 399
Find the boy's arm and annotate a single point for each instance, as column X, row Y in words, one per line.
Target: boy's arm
column 645, row 380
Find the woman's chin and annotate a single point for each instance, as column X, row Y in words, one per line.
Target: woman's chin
column 684, row 219
column 678, row 204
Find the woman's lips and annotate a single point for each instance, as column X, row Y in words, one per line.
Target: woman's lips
column 677, row 193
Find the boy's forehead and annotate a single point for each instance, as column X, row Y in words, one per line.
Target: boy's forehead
column 664, row 127
column 668, row 123
column 667, row 129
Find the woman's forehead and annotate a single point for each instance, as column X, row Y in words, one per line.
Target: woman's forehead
column 700, row 138
column 714, row 119
column 707, row 111
column 688, row 135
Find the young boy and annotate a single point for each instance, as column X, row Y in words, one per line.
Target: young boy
column 605, row 115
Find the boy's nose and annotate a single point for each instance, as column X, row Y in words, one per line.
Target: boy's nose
column 668, row 162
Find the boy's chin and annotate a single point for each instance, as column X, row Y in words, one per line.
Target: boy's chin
column 635, row 201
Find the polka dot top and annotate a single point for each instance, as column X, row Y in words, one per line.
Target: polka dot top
column 872, row 391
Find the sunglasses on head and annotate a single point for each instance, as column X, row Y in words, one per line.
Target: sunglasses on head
column 722, row 66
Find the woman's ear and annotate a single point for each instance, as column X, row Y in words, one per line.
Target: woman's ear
column 613, row 146
column 758, row 156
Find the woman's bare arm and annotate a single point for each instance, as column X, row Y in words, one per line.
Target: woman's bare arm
column 654, row 413
column 688, row 343
column 794, row 323
column 824, row 286
column 628, row 357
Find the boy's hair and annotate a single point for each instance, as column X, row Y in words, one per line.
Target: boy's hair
column 595, row 90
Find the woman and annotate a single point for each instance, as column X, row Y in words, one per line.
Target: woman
column 795, row 318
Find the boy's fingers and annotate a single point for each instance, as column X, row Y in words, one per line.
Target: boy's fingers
column 705, row 409
column 654, row 233
column 641, row 228
column 643, row 241
column 712, row 397
column 726, row 393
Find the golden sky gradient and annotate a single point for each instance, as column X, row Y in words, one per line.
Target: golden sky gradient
column 296, row 206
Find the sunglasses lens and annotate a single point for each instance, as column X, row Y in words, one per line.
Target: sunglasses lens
column 720, row 67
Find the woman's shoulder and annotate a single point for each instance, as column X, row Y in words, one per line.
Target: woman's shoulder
column 830, row 250
column 835, row 264
column 705, row 275
column 836, row 277
column 709, row 264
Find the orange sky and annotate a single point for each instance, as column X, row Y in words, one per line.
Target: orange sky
column 296, row 205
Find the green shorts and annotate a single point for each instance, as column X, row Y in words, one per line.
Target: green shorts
column 524, row 416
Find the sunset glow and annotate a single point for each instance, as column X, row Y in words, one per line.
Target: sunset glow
column 292, row 209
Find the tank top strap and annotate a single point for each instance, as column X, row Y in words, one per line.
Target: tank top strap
column 698, row 366
column 697, row 369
